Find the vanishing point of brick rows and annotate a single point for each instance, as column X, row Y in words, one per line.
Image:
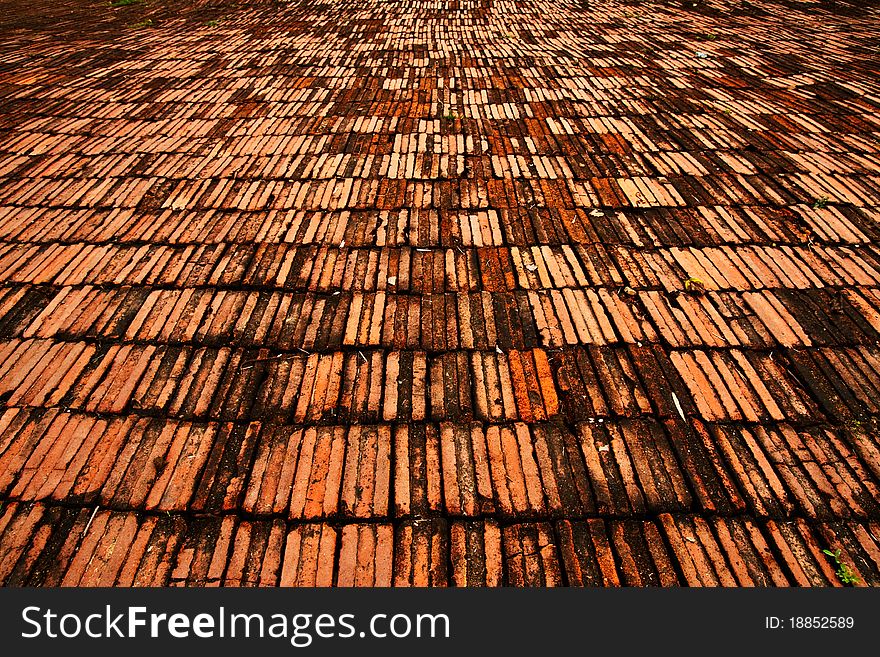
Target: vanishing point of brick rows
column 439, row 293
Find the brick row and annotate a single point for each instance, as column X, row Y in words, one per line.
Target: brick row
column 52, row 546
column 450, row 469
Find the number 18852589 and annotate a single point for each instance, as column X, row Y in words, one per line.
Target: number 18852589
column 821, row 622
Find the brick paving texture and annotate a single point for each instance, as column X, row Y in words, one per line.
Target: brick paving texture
column 417, row 292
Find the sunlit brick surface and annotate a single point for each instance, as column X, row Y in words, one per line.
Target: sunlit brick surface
column 439, row 293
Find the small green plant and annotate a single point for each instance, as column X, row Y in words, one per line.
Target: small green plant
column 694, row 285
column 820, row 203
column 124, row 3
column 142, row 24
column 450, row 116
column 213, row 23
column 844, row 573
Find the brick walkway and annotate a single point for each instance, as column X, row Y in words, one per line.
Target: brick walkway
column 434, row 293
